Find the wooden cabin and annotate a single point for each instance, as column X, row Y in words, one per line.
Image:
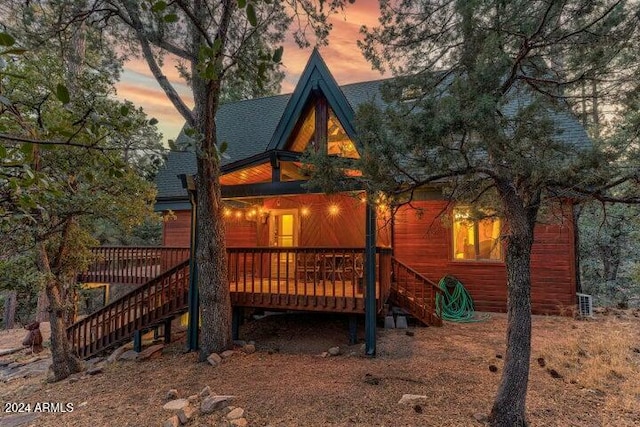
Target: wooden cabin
column 268, row 206
column 292, row 248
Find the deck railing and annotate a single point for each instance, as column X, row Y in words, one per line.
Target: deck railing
column 131, row 264
column 415, row 293
column 160, row 298
column 316, row 277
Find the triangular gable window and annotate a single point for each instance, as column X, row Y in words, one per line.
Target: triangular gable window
column 320, row 127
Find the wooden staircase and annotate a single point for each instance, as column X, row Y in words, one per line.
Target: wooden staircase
column 155, row 302
column 414, row 293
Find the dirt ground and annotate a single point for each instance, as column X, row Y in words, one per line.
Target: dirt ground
column 591, row 376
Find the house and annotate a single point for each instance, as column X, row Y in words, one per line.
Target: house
column 292, row 248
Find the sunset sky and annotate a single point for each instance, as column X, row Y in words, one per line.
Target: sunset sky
column 342, row 57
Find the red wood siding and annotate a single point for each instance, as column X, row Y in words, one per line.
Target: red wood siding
column 175, row 231
column 423, row 241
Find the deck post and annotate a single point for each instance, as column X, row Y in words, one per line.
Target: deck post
column 194, row 299
column 370, row 280
column 137, row 341
column 236, row 319
column 167, row 331
column 353, row 329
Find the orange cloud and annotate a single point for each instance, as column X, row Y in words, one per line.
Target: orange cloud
column 342, row 56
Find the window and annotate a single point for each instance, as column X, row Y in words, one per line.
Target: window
column 475, row 239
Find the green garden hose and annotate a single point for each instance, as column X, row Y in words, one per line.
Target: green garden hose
column 454, row 303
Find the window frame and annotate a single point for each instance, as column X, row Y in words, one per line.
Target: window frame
column 476, row 243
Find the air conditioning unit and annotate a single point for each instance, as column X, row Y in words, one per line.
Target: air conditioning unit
column 585, row 305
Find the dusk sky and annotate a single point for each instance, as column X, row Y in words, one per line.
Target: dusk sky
column 342, row 57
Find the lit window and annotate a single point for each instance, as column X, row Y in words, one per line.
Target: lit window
column 475, row 239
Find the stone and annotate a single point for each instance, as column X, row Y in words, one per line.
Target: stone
column 235, row 414
column 94, row 361
column 116, row 354
column 334, row 351
column 227, row 409
column 240, row 422
column 73, row 380
column 172, row 422
column 227, row 354
column 480, row 417
column 176, row 405
column 193, row 398
column 129, row 355
column 249, row 348
column 185, row 414
column 239, row 343
column 412, row 399
column 172, row 394
column 149, row 352
column 410, row 333
column 211, row 404
column 389, row 323
column 95, row 370
column 18, row 420
column 214, row 359
column 324, row 354
column 205, row 392
column 401, row 322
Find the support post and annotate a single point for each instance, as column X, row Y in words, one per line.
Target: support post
column 137, row 341
column 370, row 280
column 194, row 298
column 353, row 329
column 236, row 319
column 167, row 331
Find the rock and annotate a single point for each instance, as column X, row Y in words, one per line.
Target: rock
column 324, row 354
column 185, row 414
column 480, row 417
column 249, row 348
column 239, row 343
column 227, row 409
column 214, row 359
column 214, row 403
column 235, row 414
column 95, row 370
column 176, row 405
column 412, row 399
column 149, row 352
column 240, row 422
column 372, row 380
column 334, row 351
column 172, row 422
column 18, row 420
column 493, row 368
column 73, row 380
column 171, row 394
column 129, row 355
column 116, row 354
column 205, row 392
column 193, row 398
column 410, row 333
column 83, row 404
column 227, row 354
column 94, row 361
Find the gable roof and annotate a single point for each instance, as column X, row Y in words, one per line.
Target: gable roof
column 254, row 126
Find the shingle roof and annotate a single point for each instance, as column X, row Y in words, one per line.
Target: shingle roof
column 247, row 127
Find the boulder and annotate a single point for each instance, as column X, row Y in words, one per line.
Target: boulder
column 172, row 422
column 235, row 414
column 249, row 348
column 185, row 414
column 176, row 405
column 214, row 359
column 116, row 354
column 240, row 422
column 334, row 351
column 95, row 370
column 412, row 399
column 129, row 355
column 214, row 403
column 227, row 354
column 205, row 391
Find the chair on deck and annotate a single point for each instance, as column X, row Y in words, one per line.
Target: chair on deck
column 307, row 266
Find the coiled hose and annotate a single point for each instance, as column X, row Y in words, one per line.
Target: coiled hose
column 455, row 303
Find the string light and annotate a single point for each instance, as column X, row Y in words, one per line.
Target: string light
column 305, row 211
column 226, row 212
column 334, row 210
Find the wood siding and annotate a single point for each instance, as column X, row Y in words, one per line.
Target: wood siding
column 176, row 229
column 423, row 240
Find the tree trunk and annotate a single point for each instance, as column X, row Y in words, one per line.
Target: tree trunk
column 10, row 303
column 510, row 403
column 65, row 362
column 215, row 299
